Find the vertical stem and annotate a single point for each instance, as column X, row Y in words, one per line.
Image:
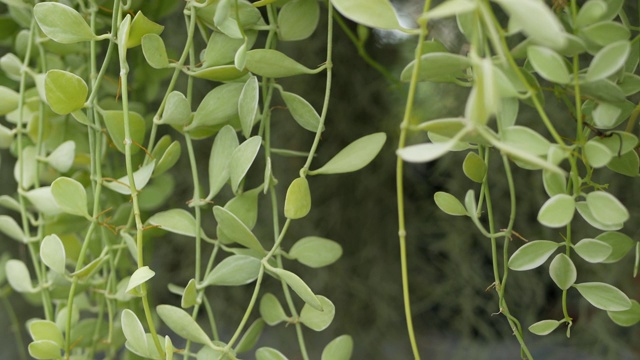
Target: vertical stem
column 402, row 232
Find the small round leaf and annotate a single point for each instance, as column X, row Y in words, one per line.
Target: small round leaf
column 562, row 271
column 557, row 211
column 532, row 254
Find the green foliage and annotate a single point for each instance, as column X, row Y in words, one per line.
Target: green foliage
column 98, row 129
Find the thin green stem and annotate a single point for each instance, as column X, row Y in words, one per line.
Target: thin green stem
column 402, row 232
column 124, row 73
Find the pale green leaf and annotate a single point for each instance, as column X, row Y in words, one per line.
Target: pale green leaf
column 183, row 324
column 65, row 92
column 271, row 310
column 178, row 221
column 53, row 254
column 299, row 287
column 44, row 349
column 219, row 106
column 608, row 60
column 544, row 327
column 267, row 353
column 587, row 215
column 63, row 156
column 532, row 254
column 241, row 160
column 620, row 244
column 606, row 208
column 114, row 120
column 140, row 27
column 315, row 319
column 628, row 317
column 236, row 230
column 593, row 250
column 177, row 111
column 70, row 196
column 537, row 20
column 372, row 13
column 597, row 154
column 248, row 105
column 298, row 19
column 10, row 100
column 355, row 156
column 139, row 277
column 234, row 270
column 339, row 348
column 134, row 332
column 223, row 146
column 10, row 227
column 140, row 178
column 449, row 204
column 474, row 167
column 557, row 211
column 303, row 113
column 315, row 251
column 18, row 276
column 554, row 183
column 450, row 8
column 548, row 64
column 46, row 330
column 154, row 51
column 297, row 203
column 604, row 296
column 274, row 64
column 562, row 271
column 190, row 295
column 62, row 23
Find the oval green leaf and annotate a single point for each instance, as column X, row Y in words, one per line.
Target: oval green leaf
column 234, row 270
column 297, row 203
column 299, row 287
column 65, row 92
column 298, row 19
column 449, row 204
column 114, row 120
column 178, row 221
column 189, row 295
column 52, row 253
column 562, row 271
column 557, row 211
column 474, row 167
column 133, row 332
column 544, row 327
column 274, row 64
column 628, row 317
column 140, row 179
column 315, row 251
column 378, row 14
column 154, row 51
column 548, row 64
column 303, row 113
column 355, row 156
column 620, row 244
column 315, row 319
column 608, row 60
column 339, row 348
column 236, row 230
column 62, row 23
column 223, row 147
column 241, row 160
column 139, row 277
column 248, row 105
column 604, row 296
column 267, row 353
column 70, row 196
column 532, row 254
column 606, row 208
column 183, row 324
column 592, row 250
column 271, row 310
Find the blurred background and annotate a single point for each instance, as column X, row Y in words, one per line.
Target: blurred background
column 449, row 260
